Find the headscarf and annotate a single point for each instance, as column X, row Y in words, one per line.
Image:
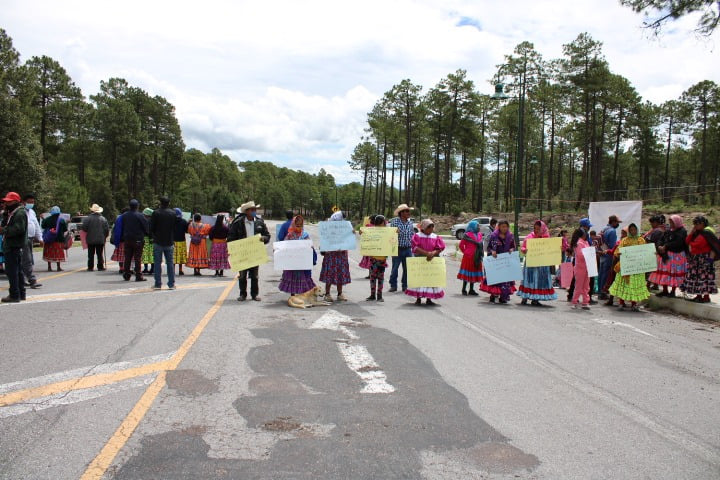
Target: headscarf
column 426, row 223
column 178, row 212
column 677, row 221
column 55, row 210
column 630, row 240
column 473, row 226
column 544, row 233
column 507, row 242
column 337, row 217
column 296, row 232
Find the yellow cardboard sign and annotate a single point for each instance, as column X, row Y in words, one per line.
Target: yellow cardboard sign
column 422, row 273
column 247, row 253
column 366, row 221
column 543, row 252
column 379, row 241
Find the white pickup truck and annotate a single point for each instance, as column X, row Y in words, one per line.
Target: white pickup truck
column 458, row 230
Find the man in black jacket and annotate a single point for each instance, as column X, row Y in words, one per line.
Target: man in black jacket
column 134, row 230
column 246, row 225
column 14, row 229
column 162, row 226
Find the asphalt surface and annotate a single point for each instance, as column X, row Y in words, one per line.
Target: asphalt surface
column 103, row 378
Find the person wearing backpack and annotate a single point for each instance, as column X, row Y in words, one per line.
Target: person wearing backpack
column 54, row 231
column 14, row 231
column 198, row 255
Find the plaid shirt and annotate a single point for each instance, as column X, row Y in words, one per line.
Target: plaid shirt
column 406, row 230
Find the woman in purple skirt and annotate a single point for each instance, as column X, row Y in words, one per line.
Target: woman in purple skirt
column 219, row 260
column 296, row 281
column 335, row 268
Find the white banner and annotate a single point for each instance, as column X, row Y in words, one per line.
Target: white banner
column 629, row 212
column 293, row 255
column 591, row 261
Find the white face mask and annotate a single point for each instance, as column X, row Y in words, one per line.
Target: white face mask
column 29, row 206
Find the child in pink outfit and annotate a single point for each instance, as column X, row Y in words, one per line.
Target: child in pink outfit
column 582, row 280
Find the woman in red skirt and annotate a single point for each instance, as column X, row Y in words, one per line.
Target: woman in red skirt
column 471, row 268
column 55, row 228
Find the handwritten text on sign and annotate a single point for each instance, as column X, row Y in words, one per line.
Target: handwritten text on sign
column 422, row 273
column 293, row 255
column 590, row 255
column 638, row 259
column 543, row 252
column 505, row 268
column 379, row 241
column 247, row 253
column 336, row 236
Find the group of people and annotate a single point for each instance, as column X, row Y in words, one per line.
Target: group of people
column 685, row 260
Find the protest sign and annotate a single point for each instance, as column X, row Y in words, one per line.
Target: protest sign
column 543, row 252
column 505, row 268
column 247, row 253
column 336, row 236
column 208, row 219
column 566, row 275
column 638, row 259
column 187, row 216
column 422, row 273
column 379, row 241
column 83, row 239
column 293, row 255
column 590, row 255
column 277, row 230
column 366, row 221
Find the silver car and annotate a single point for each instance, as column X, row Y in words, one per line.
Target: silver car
column 458, row 230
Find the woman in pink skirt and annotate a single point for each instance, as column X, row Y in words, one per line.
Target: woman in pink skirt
column 672, row 259
column 219, row 252
column 426, row 244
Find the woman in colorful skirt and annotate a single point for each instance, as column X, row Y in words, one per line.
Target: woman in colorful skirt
column 365, row 261
column 629, row 288
column 198, row 254
column 537, row 281
column 426, row 244
column 335, row 268
column 54, row 252
column 655, row 236
column 471, row 247
column 501, row 241
column 148, row 258
column 180, row 250
column 612, row 273
column 116, row 239
column 672, row 259
column 219, row 252
column 296, row 281
column 704, row 249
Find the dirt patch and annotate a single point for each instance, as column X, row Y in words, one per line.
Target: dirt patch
column 191, row 382
column 194, row 430
column 282, row 424
column 499, row 458
column 368, row 368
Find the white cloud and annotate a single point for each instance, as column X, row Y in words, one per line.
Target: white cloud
column 292, row 82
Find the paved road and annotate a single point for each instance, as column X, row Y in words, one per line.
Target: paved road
column 102, row 378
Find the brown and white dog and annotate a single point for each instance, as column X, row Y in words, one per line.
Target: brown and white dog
column 307, row 300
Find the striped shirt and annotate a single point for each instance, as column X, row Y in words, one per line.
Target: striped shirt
column 406, row 230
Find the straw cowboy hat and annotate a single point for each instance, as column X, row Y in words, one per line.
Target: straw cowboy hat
column 96, row 208
column 402, row 207
column 247, row 206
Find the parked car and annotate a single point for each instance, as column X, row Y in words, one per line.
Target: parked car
column 458, row 230
column 74, row 226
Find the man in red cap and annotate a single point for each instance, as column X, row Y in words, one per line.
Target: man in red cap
column 14, row 229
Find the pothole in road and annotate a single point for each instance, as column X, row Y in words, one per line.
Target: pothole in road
column 500, row 457
column 282, row 424
column 277, row 384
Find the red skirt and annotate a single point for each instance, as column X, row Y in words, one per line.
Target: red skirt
column 468, row 271
column 54, row 252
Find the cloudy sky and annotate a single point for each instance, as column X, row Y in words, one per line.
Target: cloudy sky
column 292, row 81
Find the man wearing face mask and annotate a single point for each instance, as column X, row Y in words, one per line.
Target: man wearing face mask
column 247, row 225
column 14, row 231
column 34, row 233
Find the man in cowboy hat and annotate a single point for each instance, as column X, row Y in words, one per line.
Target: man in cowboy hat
column 14, row 230
column 247, row 225
column 406, row 230
column 97, row 230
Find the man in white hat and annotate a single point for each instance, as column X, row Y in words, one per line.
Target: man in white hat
column 97, row 230
column 406, row 230
column 246, row 225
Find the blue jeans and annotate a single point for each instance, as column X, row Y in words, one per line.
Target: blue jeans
column 606, row 262
column 158, row 252
column 403, row 254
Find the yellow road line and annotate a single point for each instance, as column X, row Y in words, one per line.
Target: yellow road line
column 104, row 459
column 80, row 383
